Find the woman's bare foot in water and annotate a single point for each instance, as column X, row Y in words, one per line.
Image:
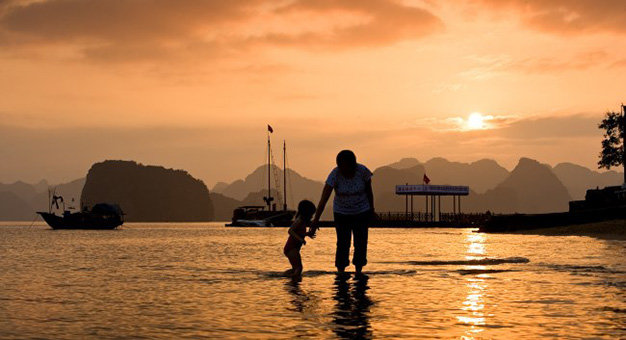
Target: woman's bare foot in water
column 341, row 272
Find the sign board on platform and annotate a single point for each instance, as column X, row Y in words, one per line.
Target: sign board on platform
column 432, row 190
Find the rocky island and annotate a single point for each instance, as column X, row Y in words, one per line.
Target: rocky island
column 148, row 193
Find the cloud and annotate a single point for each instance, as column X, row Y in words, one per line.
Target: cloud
column 130, row 20
column 386, row 22
column 133, row 30
column 517, row 127
column 545, row 65
column 460, row 124
column 489, row 66
column 619, row 63
column 30, row 153
column 568, row 126
column 116, row 30
column 566, row 16
column 65, row 153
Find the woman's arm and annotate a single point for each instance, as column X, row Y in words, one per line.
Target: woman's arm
column 320, row 208
column 370, row 194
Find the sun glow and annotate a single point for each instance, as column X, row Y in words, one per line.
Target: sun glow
column 475, row 121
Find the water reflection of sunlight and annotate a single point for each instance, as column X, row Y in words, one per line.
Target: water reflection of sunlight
column 474, row 303
column 475, row 245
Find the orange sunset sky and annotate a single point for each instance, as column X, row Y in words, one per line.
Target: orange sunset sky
column 192, row 84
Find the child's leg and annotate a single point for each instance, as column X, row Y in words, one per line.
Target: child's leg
column 296, row 261
column 288, row 272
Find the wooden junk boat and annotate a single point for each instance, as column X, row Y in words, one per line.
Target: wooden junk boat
column 100, row 216
column 266, row 215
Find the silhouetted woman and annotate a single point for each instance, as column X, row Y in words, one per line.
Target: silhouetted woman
column 353, row 208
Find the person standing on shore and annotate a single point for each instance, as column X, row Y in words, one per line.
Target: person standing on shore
column 353, row 208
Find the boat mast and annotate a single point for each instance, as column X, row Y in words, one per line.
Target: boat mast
column 284, row 175
column 269, row 172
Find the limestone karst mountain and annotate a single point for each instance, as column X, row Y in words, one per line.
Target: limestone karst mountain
column 148, row 193
column 531, row 187
column 405, row 163
column 300, row 186
column 223, row 206
column 578, row 179
column 480, row 176
column 384, row 183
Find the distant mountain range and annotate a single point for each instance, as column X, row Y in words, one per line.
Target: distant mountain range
column 19, row 201
column 250, row 191
column 577, row 179
column 531, row 187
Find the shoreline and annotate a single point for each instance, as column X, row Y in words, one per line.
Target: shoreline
column 608, row 230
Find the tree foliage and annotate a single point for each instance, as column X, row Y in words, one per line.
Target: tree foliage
column 612, row 153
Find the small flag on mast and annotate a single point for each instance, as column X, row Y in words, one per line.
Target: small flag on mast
column 426, row 179
column 269, row 128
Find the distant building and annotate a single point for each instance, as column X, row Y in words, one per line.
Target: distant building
column 596, row 199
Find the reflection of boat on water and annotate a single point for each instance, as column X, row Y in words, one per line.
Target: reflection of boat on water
column 100, row 216
column 258, row 215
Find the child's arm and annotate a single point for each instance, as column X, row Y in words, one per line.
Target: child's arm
column 296, row 236
column 292, row 231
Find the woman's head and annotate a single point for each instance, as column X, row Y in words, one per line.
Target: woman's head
column 306, row 210
column 346, row 162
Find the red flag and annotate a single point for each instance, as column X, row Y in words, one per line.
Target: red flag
column 269, row 128
column 426, row 179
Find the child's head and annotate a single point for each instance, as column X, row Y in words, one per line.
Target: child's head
column 306, row 210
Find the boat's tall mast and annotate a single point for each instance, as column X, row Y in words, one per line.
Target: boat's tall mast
column 284, row 175
column 269, row 172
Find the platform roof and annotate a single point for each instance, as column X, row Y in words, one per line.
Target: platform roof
column 435, row 190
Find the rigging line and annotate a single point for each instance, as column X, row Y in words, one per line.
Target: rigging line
column 33, row 222
column 290, row 186
column 276, row 181
column 260, row 181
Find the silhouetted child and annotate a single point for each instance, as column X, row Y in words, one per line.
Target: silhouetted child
column 297, row 233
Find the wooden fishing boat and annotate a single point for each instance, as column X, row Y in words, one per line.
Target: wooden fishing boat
column 100, row 216
column 266, row 215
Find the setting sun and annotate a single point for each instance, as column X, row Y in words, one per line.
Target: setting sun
column 475, row 121
column 357, row 169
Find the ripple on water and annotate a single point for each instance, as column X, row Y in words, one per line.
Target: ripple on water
column 194, row 281
column 472, row 262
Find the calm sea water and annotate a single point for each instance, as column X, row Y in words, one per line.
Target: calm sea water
column 205, row 280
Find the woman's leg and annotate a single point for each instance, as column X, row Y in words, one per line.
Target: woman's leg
column 360, row 230
column 342, row 254
column 296, row 261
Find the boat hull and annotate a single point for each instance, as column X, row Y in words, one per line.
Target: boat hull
column 262, row 219
column 81, row 221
